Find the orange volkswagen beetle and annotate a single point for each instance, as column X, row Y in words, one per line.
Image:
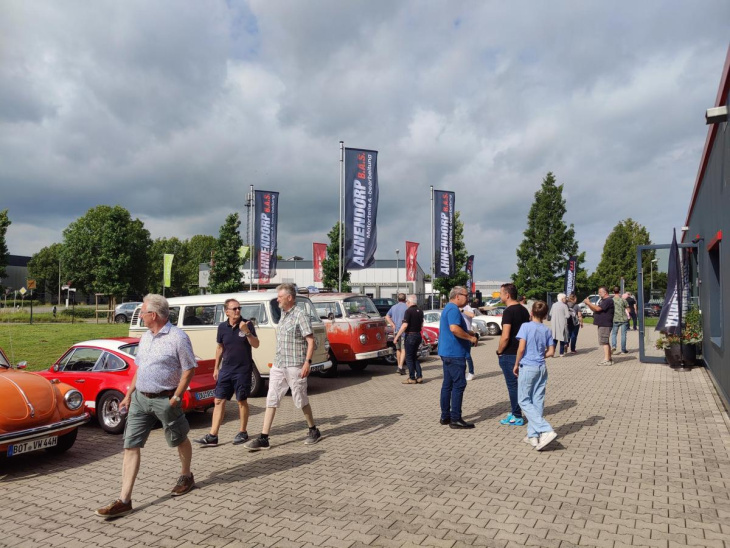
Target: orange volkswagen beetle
column 36, row 413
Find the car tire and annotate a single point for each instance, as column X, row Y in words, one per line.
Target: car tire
column 359, row 366
column 120, row 318
column 391, row 359
column 493, row 329
column 65, row 442
column 257, row 383
column 333, row 372
column 107, row 412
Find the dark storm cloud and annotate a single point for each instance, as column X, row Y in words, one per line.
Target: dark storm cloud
column 173, row 109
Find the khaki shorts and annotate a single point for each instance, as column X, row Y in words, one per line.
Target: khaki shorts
column 283, row 378
column 143, row 415
column 399, row 342
column 603, row 335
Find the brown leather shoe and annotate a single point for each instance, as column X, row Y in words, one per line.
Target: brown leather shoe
column 419, row 380
column 409, row 381
column 116, row 509
column 184, row 485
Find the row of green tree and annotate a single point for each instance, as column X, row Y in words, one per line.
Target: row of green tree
column 106, row 251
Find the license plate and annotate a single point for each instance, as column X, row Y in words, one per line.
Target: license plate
column 316, row 367
column 385, row 352
column 32, row 445
column 204, row 395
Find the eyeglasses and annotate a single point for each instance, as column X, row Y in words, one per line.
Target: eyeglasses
column 143, row 313
column 235, row 309
column 463, row 294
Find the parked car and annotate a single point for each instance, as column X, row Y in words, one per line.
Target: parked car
column 102, row 370
column 431, row 336
column 355, row 329
column 479, row 327
column 587, row 312
column 36, row 414
column 383, row 305
column 123, row 312
column 494, row 321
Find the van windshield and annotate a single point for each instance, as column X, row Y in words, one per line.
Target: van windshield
column 303, row 303
column 358, row 306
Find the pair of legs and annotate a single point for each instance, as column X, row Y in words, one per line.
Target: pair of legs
column 603, row 336
column 531, row 386
column 281, row 379
column 470, row 363
column 452, row 388
column 633, row 319
column 231, row 381
column 574, row 330
column 563, row 345
column 411, row 344
column 507, row 364
column 400, row 353
column 219, row 412
column 623, row 327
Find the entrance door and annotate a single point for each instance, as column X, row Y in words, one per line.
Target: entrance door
column 653, row 262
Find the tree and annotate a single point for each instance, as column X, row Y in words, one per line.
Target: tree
column 619, row 255
column 105, row 251
column 4, row 224
column 43, row 266
column 549, row 243
column 225, row 276
column 200, row 250
column 179, row 276
column 460, row 277
column 330, row 265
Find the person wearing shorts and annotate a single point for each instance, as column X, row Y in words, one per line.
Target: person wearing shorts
column 294, row 350
column 603, row 320
column 394, row 318
column 233, row 362
column 165, row 365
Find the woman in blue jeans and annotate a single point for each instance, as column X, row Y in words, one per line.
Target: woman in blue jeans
column 576, row 321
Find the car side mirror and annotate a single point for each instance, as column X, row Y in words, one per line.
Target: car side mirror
column 22, row 365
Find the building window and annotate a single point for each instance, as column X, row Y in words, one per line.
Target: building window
column 715, row 294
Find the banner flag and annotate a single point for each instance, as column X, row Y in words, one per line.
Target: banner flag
column 167, row 275
column 266, row 220
column 570, row 271
column 319, row 254
column 670, row 318
column 411, row 261
column 361, row 208
column 444, row 233
column 469, row 267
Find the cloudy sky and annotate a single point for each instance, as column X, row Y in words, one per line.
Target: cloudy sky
column 173, row 108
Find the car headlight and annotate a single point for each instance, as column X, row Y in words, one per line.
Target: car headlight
column 363, row 339
column 74, row 399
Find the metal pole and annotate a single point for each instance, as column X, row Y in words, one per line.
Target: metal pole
column 163, row 275
column 249, row 238
column 342, row 186
column 397, row 272
column 433, row 279
column 59, row 281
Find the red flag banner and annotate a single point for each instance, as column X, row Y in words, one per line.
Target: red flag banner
column 319, row 253
column 411, row 261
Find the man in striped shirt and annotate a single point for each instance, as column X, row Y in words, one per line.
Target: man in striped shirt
column 294, row 350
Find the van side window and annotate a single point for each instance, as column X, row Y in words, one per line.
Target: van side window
column 325, row 309
column 201, row 315
column 174, row 314
column 256, row 312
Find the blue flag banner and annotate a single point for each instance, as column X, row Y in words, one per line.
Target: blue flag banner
column 361, row 208
column 570, row 270
column 670, row 319
column 266, row 221
column 444, row 232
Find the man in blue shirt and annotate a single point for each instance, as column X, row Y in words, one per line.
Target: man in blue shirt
column 454, row 345
column 394, row 317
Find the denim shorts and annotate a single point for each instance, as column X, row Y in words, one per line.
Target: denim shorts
column 144, row 413
column 233, row 381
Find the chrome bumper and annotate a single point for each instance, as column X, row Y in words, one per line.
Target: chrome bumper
column 374, row 354
column 322, row 366
column 30, row 433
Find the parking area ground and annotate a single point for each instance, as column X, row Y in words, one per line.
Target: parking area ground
column 643, row 459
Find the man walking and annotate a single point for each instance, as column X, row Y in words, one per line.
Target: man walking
column 232, row 372
column 603, row 320
column 454, row 343
column 394, row 317
column 632, row 308
column 165, row 366
column 620, row 321
column 411, row 326
column 513, row 317
column 294, row 350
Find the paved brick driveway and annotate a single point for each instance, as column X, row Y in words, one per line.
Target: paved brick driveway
column 643, row 459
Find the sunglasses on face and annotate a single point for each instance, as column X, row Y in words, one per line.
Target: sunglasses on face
column 235, row 309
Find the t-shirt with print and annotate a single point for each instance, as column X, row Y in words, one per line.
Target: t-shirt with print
column 514, row 315
column 414, row 318
column 619, row 310
column 538, row 338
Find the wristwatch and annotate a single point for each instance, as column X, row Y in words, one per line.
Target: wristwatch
column 176, row 398
column 309, row 361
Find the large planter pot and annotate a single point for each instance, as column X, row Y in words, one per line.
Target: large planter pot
column 676, row 353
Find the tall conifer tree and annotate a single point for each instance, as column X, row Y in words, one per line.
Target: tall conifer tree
column 619, row 255
column 225, row 276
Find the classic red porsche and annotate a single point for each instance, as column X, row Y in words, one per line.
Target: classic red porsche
column 102, row 370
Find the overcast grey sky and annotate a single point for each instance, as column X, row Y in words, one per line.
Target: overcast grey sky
column 173, row 108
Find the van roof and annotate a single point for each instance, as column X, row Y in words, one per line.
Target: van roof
column 215, row 298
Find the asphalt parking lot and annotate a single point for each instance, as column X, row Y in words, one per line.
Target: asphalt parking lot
column 643, row 459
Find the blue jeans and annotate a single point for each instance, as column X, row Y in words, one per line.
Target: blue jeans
column 574, row 330
column 452, row 389
column 531, row 388
column 507, row 363
column 563, row 345
column 470, row 363
column 413, row 341
column 624, row 326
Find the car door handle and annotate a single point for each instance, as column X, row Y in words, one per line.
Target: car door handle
column 80, row 380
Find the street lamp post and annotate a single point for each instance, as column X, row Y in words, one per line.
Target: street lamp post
column 397, row 272
column 651, row 280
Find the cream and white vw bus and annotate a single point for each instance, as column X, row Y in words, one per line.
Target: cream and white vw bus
column 199, row 316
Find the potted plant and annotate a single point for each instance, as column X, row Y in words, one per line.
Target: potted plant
column 691, row 340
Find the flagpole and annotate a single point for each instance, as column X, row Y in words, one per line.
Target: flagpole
column 163, row 274
column 252, row 253
column 342, row 186
column 432, row 249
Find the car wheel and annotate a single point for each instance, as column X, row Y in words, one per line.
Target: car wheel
column 493, row 329
column 332, row 372
column 257, row 383
column 107, row 412
column 358, row 366
column 65, row 442
column 391, row 359
column 120, row 318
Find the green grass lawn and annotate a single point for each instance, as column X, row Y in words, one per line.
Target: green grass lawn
column 648, row 322
column 42, row 344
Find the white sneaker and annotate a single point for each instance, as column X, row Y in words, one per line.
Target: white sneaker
column 469, row 376
column 545, row 439
column 531, row 441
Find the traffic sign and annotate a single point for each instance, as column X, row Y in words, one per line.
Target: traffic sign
column 31, row 284
column 22, row 291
